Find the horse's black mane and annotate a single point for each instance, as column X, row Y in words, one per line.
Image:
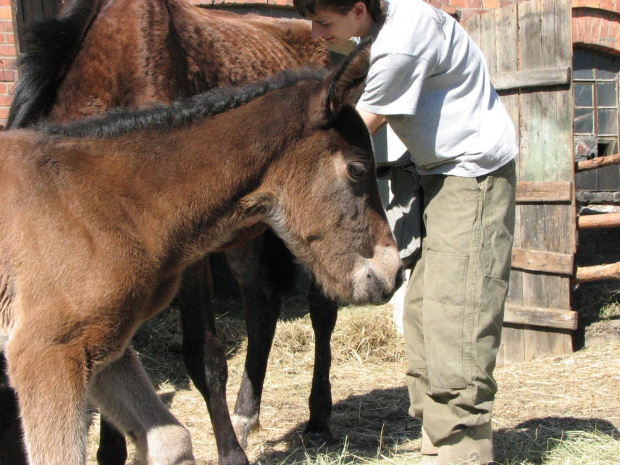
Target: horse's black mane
column 180, row 113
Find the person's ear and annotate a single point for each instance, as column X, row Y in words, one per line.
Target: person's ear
column 359, row 10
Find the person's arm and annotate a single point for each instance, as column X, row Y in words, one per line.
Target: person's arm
column 373, row 121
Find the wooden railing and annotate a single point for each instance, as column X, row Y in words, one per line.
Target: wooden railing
column 603, row 220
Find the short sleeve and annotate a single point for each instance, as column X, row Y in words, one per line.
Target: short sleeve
column 394, row 84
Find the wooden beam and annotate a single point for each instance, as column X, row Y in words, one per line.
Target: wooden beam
column 543, row 262
column 532, row 78
column 602, row 220
column 544, row 192
column 597, row 273
column 540, row 316
column 598, row 162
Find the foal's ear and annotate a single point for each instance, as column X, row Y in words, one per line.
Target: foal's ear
column 342, row 84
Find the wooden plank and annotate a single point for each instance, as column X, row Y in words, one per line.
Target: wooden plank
column 533, row 229
column 536, row 342
column 532, row 78
column 531, row 119
column 488, row 41
column 567, row 219
column 541, row 316
column 542, row 261
column 506, row 61
column 533, row 150
column 514, row 347
column 561, row 341
column 598, row 162
column 544, row 191
column 507, row 54
column 603, row 220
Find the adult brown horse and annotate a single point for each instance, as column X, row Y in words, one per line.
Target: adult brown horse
column 100, row 218
column 102, row 54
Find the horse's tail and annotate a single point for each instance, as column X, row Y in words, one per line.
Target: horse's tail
column 52, row 45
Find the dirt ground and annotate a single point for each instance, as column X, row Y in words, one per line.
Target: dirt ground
column 538, row 402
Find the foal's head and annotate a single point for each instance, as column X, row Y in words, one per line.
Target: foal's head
column 322, row 196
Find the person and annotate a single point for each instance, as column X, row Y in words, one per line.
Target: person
column 429, row 82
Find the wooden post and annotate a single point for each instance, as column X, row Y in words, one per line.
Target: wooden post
column 597, row 273
column 604, row 220
column 598, row 162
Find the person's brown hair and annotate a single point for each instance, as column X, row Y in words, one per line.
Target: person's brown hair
column 310, row 7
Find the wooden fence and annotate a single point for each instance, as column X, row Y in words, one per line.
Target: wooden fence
column 604, row 220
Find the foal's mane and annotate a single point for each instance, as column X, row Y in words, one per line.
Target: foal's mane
column 181, row 113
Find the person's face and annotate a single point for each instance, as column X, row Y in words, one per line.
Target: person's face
column 337, row 28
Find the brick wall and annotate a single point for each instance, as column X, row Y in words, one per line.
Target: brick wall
column 7, row 58
column 596, row 23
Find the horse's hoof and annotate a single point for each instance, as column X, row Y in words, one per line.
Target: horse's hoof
column 318, row 437
column 243, row 426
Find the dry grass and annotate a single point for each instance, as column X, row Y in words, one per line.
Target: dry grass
column 559, row 410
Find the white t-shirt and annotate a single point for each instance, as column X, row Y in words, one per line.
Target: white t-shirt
column 430, row 81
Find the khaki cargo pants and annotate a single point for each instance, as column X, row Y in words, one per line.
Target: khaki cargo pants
column 454, row 304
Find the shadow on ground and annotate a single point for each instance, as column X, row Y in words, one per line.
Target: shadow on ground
column 377, row 423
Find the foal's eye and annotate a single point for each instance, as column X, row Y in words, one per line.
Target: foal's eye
column 356, row 170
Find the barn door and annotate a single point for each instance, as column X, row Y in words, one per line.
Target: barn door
column 528, row 48
column 30, row 11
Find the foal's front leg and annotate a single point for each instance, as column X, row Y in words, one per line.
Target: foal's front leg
column 323, row 313
column 50, row 380
column 126, row 397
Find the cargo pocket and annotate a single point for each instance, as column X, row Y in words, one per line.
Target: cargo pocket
column 444, row 319
column 498, row 221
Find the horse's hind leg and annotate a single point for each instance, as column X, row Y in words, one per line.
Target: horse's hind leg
column 323, row 313
column 126, row 396
column 261, row 306
column 11, row 446
column 50, row 382
column 205, row 360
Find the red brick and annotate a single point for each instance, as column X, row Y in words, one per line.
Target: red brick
column 8, row 63
column 5, row 13
column 458, row 3
column 448, row 9
column 6, row 88
column 474, row 4
column 595, row 36
column 4, row 113
column 6, row 26
column 470, row 13
column 7, row 51
column 586, row 3
column 607, row 5
column 7, row 75
column 613, row 30
column 574, row 30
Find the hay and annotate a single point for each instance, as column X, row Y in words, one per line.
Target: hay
column 546, row 410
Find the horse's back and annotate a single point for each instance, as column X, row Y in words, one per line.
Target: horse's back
column 138, row 52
